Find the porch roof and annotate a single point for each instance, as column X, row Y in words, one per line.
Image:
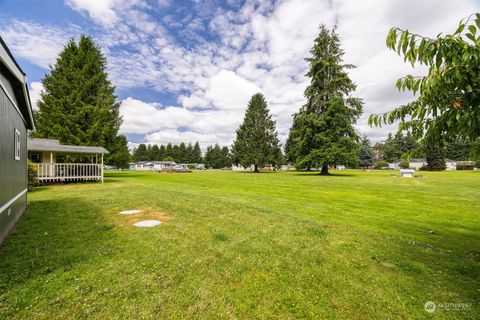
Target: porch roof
column 55, row 146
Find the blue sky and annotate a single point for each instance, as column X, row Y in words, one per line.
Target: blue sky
column 185, row 70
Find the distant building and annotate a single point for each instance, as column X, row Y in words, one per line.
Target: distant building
column 417, row 163
column 160, row 165
column 151, row 165
column 394, row 165
column 451, row 164
column 242, row 168
column 285, row 167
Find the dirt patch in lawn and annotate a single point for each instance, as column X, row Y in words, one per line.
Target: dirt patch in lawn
column 145, row 214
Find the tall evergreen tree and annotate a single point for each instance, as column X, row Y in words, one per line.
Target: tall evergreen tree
column 217, row 157
column 161, row 152
column 435, row 150
column 365, row 154
column 257, row 143
column 78, row 105
column 140, row 153
column 169, row 152
column 175, row 153
column 189, row 153
column 391, row 149
column 149, row 153
column 322, row 133
column 120, row 155
column 196, row 153
column 182, row 154
column 225, row 158
column 155, row 153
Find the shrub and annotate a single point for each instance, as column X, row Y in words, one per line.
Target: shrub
column 191, row 166
column 404, row 165
column 32, row 175
column 380, row 164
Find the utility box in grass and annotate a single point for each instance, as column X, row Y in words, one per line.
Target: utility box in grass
column 407, row 173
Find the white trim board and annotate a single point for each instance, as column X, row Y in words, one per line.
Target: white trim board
column 5, row 57
column 9, row 203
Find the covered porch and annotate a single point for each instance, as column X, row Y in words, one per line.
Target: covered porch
column 54, row 163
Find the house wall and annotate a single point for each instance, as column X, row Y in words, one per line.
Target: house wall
column 451, row 165
column 416, row 165
column 13, row 173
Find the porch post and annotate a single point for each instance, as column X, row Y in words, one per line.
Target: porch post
column 101, row 170
column 51, row 171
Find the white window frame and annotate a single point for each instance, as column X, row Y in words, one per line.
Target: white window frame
column 17, row 144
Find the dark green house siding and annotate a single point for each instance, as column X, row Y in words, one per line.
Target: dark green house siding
column 13, row 173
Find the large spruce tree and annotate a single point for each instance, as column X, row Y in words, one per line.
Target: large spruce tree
column 196, row 153
column 78, row 105
column 257, row 143
column 322, row 133
column 365, row 154
column 435, row 152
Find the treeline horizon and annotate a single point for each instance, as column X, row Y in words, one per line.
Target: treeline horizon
column 216, row 156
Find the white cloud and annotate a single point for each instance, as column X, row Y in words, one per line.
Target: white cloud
column 227, row 90
column 35, row 91
column 101, row 11
column 39, row 44
column 140, row 117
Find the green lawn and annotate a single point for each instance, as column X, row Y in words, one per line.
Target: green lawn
column 359, row 245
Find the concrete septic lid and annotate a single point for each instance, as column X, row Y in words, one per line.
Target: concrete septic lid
column 147, row 223
column 130, row 212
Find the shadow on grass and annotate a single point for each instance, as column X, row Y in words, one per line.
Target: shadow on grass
column 121, row 174
column 255, row 173
column 54, row 235
column 317, row 174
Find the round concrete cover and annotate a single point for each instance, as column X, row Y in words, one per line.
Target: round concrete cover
column 130, row 212
column 147, row 223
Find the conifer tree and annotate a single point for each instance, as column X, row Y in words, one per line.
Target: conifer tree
column 189, row 153
column 365, row 154
column 182, row 155
column 435, row 151
column 155, row 153
column 168, row 152
column 217, row 157
column 257, row 143
column 196, row 153
column 161, row 152
column 175, row 153
column 78, row 105
column 120, row 155
column 322, row 133
column 140, row 153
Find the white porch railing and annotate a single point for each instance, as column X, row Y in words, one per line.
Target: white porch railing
column 51, row 172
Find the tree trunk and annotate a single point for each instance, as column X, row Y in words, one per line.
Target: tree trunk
column 324, row 171
column 256, row 168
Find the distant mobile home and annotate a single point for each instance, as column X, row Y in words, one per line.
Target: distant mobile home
column 160, row 165
column 16, row 118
